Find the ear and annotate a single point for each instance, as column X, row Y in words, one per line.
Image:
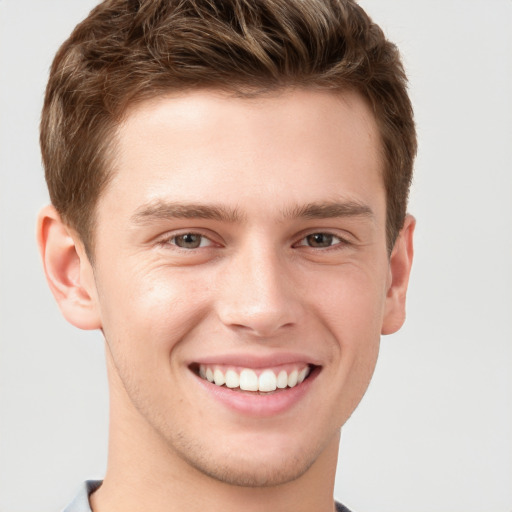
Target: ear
column 68, row 270
column 400, row 264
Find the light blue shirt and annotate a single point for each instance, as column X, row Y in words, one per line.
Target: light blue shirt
column 81, row 501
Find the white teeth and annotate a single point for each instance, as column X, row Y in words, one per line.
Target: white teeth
column 248, row 380
column 232, row 379
column 218, row 377
column 292, row 379
column 282, row 379
column 268, row 381
column 303, row 374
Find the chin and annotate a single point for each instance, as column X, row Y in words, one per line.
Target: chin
column 250, row 473
column 254, row 462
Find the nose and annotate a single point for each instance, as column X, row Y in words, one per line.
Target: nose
column 257, row 294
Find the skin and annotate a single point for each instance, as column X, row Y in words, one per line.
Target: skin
column 268, row 173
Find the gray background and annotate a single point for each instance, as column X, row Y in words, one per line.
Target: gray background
column 434, row 432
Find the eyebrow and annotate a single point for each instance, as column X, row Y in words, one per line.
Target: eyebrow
column 161, row 210
column 330, row 209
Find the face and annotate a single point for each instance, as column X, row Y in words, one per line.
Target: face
column 241, row 244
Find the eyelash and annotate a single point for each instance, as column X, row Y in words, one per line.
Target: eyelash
column 339, row 241
column 172, row 240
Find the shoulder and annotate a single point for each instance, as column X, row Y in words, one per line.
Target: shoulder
column 81, row 501
column 341, row 508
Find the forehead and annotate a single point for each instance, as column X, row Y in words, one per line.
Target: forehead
column 286, row 149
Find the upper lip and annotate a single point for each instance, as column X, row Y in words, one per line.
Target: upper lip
column 257, row 361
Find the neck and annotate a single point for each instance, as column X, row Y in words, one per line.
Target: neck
column 137, row 480
column 145, row 473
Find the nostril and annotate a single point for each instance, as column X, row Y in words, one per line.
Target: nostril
column 257, row 297
column 261, row 326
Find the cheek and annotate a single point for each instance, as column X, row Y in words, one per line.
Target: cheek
column 351, row 302
column 150, row 311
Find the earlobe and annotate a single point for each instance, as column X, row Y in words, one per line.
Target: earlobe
column 68, row 270
column 399, row 269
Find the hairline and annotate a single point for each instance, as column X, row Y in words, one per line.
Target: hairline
column 246, row 92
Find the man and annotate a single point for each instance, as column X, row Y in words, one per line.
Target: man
column 229, row 185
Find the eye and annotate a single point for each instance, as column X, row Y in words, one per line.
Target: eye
column 320, row 240
column 190, row 241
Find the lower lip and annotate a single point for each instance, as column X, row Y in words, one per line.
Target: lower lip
column 260, row 405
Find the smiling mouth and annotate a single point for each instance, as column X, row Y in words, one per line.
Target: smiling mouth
column 261, row 381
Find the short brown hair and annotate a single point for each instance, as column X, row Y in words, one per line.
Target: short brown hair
column 126, row 51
